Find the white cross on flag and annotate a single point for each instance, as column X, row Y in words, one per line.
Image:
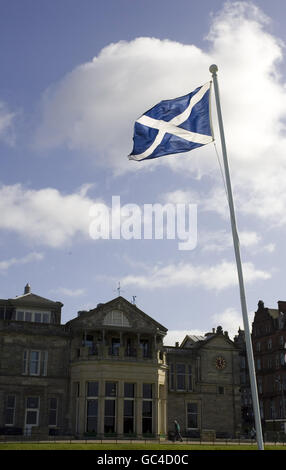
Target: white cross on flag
column 174, row 126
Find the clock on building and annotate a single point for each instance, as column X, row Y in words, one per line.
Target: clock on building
column 220, row 362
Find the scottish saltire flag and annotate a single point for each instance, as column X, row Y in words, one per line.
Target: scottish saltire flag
column 174, row 126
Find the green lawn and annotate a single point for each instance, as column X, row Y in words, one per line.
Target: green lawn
column 135, row 446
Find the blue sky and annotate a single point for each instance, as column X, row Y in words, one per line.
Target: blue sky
column 74, row 78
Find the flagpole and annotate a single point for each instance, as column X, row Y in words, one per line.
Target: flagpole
column 259, row 437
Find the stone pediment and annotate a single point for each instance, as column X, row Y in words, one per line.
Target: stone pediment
column 117, row 314
column 30, row 300
column 218, row 341
column 209, row 341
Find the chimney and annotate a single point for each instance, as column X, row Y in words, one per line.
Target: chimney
column 27, row 289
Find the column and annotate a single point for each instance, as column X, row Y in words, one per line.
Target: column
column 162, row 409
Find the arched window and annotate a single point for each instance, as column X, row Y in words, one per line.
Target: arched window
column 116, row 318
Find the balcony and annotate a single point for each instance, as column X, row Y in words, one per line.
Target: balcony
column 121, row 353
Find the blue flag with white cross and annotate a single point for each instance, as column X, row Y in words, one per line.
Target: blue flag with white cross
column 174, row 126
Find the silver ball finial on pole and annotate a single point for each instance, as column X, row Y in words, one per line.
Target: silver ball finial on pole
column 213, row 69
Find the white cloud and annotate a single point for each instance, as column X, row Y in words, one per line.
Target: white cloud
column 94, row 107
column 29, row 258
column 229, row 319
column 221, row 240
column 45, row 216
column 216, row 277
column 213, row 200
column 70, row 292
column 174, row 336
column 6, row 124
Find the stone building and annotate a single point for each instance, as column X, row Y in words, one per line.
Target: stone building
column 204, row 387
column 108, row 373
column 247, row 414
column 117, row 371
column 34, row 363
column 269, row 341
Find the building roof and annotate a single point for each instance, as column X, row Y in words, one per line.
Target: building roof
column 120, row 303
column 31, row 298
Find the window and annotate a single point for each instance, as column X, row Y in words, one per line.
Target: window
column 76, row 394
column 192, row 415
column 92, row 407
column 2, row 313
column 88, row 341
column 181, row 377
column 272, row 410
column 92, row 416
column 92, row 389
column 45, row 317
column 184, row 379
column 190, row 378
column 145, row 348
column 110, row 408
column 28, row 316
column 109, row 416
column 128, row 415
column 277, row 381
column 147, row 391
column 129, row 390
column 53, row 411
column 116, row 318
column 147, row 409
column 110, row 389
column 35, row 362
column 259, row 385
column 10, row 410
column 115, row 345
column 171, row 377
column 32, row 411
column 221, row 390
column 269, row 344
column 44, row 362
column 20, row 316
column 261, row 409
column 37, row 317
column 277, row 364
column 242, row 362
column 130, row 351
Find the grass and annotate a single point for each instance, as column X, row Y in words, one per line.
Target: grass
column 135, row 446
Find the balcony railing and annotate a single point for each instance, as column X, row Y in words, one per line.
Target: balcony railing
column 118, row 353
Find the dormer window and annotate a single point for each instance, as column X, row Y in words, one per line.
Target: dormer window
column 33, row 316
column 116, row 318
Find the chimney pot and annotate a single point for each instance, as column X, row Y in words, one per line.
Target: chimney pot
column 27, row 289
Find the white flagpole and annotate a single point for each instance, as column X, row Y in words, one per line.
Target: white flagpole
column 259, row 437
